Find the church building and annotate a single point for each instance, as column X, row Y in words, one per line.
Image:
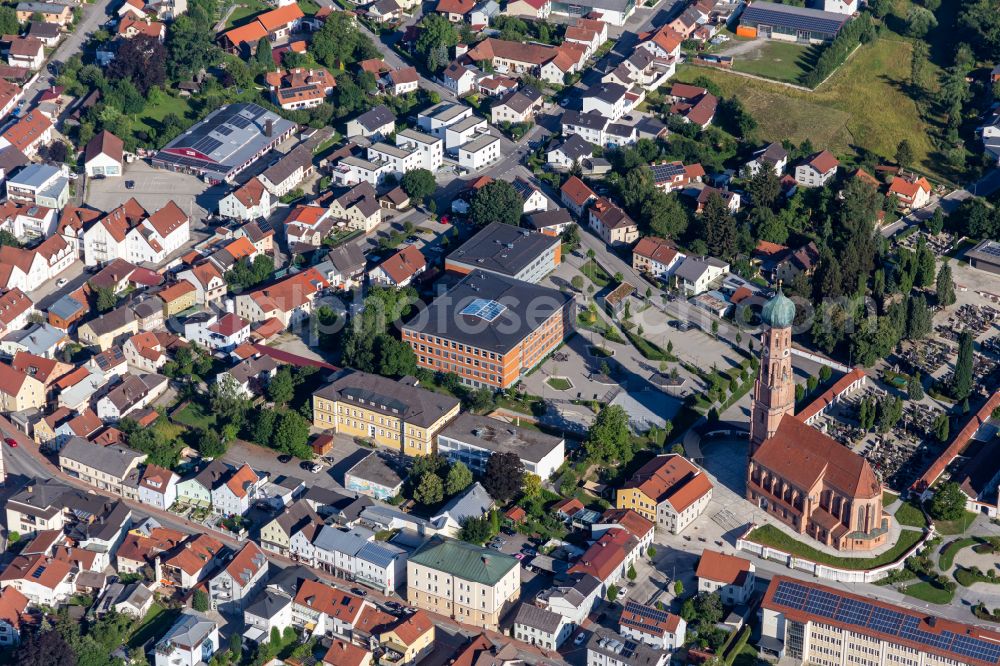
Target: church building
column 800, row 475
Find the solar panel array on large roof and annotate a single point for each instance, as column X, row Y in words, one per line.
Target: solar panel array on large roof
column 872, row 617
column 225, row 140
column 797, row 18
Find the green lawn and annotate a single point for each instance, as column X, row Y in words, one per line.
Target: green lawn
column 648, row 349
column 559, row 383
column 769, row 535
column 888, row 499
column 599, row 352
column 247, row 8
column 596, row 274
column 152, row 115
column 195, row 415
column 929, row 591
column 782, row 61
column 968, row 577
column 910, row 515
column 960, row 526
column 863, row 105
column 156, row 623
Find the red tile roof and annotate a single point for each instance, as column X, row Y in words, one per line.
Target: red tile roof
column 823, row 161
column 671, row 478
column 342, row 653
column 241, row 481
column 329, row 600
column 957, row 445
column 722, row 568
column 804, row 457
column 606, row 555
column 404, row 264
column 655, row 249
column 105, row 143
column 820, row 403
column 637, row 526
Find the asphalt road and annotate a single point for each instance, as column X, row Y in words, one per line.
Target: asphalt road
column 93, row 16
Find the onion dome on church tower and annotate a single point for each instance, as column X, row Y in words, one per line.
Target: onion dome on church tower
column 779, row 312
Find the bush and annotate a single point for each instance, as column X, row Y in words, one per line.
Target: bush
column 199, row 601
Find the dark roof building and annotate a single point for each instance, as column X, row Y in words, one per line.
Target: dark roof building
column 785, row 22
column 507, row 250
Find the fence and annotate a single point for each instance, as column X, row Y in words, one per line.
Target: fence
column 824, row 570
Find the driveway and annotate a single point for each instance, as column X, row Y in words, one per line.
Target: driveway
column 153, row 188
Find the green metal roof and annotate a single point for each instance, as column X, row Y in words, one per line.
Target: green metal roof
column 464, row 560
column 779, row 312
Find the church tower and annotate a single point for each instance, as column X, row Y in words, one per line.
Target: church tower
column 774, row 390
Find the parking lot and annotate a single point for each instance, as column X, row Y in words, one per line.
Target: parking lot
column 153, row 189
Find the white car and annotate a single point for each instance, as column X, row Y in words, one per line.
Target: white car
column 580, row 638
column 61, row 282
column 622, row 591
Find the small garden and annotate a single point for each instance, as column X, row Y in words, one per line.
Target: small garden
column 559, row 383
column 769, row 535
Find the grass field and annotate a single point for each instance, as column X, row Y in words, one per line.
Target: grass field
column 950, row 527
column 770, row 535
column 156, row 623
column 195, row 415
column 929, row 591
column 596, row 273
column 782, row 61
column 244, row 10
column 152, row 115
column 863, row 105
column 910, row 515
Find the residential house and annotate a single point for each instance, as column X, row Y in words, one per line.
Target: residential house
column 517, row 106
column 696, row 275
column 537, row 626
column 271, row 609
column 400, row 269
column 326, row 611
column 912, row 193
column 412, row 638
column 535, row 9
column 472, row 503
column 606, row 648
column 40, row 184
column 550, row 222
column 239, row 580
column 104, row 467
column 13, row 616
column 41, row 579
column 158, row 487
column 576, row 195
column 693, row 104
column 28, row 133
column 192, row 640
column 185, row 294
column 773, row 157
column 571, row 150
column 250, row 376
column 612, row 224
column 354, row 554
column 127, row 233
column 609, row 558
column 289, row 300
column 276, row 535
column 197, row 490
column 460, row 78
column 217, row 333
column 291, row 169
column 38, row 339
column 27, row 52
column 15, row 308
column 818, row 170
column 591, row 126
column 234, row 495
column 668, row 490
column 359, row 207
column 247, row 202
column 19, row 390
column 300, row 88
column 656, row 257
column 191, row 562
column 731, row 576
column 343, row 267
column 481, row 151
column 455, row 10
column 133, row 393
column 656, row 628
column 375, row 124
column 610, row 100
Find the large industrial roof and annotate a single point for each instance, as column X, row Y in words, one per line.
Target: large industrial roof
column 798, row 18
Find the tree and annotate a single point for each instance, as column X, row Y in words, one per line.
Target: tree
column 609, row 439
column 430, row 490
column 942, row 428
column 106, row 299
column 459, row 478
column 281, row 387
column 140, row 61
column 612, row 593
column 719, row 227
column 708, row 608
column 340, row 41
column 925, row 266
column 504, row 476
column 577, row 282
column 476, row 530
column 904, row 154
column 918, row 318
column 531, row 485
column 632, row 574
column 961, row 386
column 262, row 56
column 190, row 45
column 497, row 201
column 920, row 21
column 764, row 187
column 437, row 36
column 678, row 588
column 914, row 387
column 980, row 20
column 199, row 601
column 210, row 443
column 945, row 286
column 418, row 184
column 291, row 434
column 948, row 502
column 8, row 21
column 44, row 648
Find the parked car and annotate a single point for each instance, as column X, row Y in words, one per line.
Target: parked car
column 580, row 638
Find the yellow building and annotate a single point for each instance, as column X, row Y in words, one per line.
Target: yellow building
column 412, row 640
column 668, row 490
column 178, row 298
column 394, row 414
column 19, row 391
column 103, row 331
column 470, row 584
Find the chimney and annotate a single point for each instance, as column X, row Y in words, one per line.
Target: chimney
column 268, row 127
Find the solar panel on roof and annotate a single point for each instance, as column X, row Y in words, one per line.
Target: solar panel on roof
column 794, row 18
column 484, row 308
column 853, row 611
column 663, row 172
column 885, row 620
column 992, row 249
column 821, row 603
column 791, row 595
column 37, row 573
column 207, row 145
column 239, row 121
column 224, row 130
